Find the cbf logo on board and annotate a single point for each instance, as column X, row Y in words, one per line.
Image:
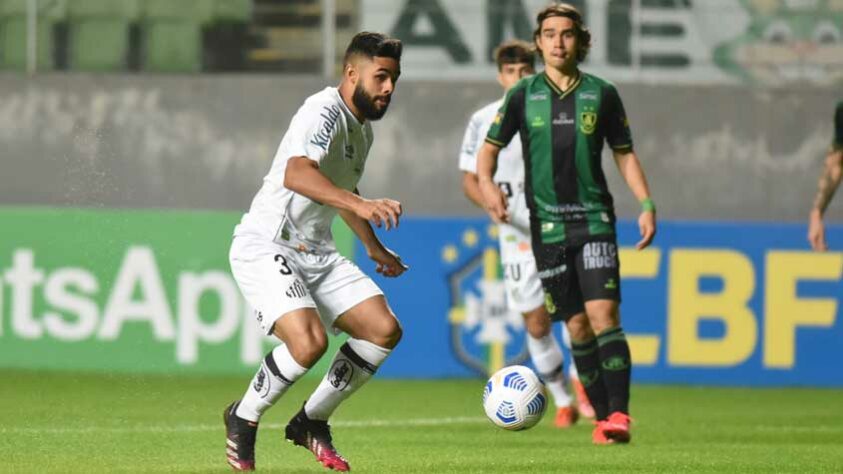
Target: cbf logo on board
column 485, row 334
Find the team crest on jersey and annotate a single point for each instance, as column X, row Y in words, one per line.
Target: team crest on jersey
column 588, row 122
column 484, row 334
column 498, row 118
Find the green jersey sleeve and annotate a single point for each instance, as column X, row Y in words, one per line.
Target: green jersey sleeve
column 837, row 144
column 507, row 121
column 618, row 133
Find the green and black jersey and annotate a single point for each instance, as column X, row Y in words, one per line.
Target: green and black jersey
column 837, row 144
column 562, row 135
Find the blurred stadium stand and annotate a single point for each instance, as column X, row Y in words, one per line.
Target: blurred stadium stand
column 129, row 35
column 13, row 35
column 287, row 33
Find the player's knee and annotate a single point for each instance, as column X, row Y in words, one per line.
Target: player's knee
column 308, row 348
column 579, row 328
column 387, row 333
column 603, row 315
column 602, row 325
column 538, row 323
column 392, row 334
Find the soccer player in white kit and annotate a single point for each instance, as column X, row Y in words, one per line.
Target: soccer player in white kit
column 516, row 59
column 285, row 262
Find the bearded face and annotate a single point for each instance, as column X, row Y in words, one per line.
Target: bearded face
column 372, row 107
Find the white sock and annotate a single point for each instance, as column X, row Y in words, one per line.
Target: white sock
column 277, row 372
column 572, row 367
column 355, row 363
column 547, row 357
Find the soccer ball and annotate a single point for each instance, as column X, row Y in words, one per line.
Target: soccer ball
column 514, row 398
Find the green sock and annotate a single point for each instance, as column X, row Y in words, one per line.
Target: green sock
column 615, row 368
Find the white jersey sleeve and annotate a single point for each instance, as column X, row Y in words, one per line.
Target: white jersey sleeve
column 312, row 131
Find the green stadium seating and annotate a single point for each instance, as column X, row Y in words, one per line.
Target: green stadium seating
column 13, row 35
column 173, row 30
column 173, row 34
column 232, row 10
column 99, row 33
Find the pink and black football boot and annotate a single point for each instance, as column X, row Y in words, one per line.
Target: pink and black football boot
column 240, row 438
column 315, row 436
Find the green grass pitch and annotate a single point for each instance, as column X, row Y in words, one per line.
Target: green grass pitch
column 59, row 422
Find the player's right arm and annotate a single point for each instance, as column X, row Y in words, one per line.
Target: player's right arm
column 303, row 177
column 505, row 125
column 471, row 142
column 310, row 136
column 494, row 201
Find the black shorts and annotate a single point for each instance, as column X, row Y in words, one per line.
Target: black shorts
column 572, row 274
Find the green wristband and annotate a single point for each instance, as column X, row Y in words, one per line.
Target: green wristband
column 647, row 205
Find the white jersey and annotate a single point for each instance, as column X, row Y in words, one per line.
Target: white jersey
column 325, row 131
column 515, row 236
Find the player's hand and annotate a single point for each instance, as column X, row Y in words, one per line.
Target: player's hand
column 380, row 212
column 647, row 226
column 495, row 201
column 389, row 263
column 816, row 232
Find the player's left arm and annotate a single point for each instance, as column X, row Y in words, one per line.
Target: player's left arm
column 828, row 183
column 619, row 137
column 389, row 264
column 632, row 172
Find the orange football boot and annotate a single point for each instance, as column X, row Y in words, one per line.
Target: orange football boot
column 583, row 405
column 598, row 436
column 617, row 427
column 566, row 417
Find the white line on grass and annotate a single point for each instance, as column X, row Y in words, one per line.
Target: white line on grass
column 807, row 428
column 459, row 420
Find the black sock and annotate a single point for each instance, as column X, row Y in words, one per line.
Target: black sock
column 615, row 367
column 588, row 366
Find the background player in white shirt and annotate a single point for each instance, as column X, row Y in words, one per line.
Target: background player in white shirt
column 286, row 264
column 516, row 59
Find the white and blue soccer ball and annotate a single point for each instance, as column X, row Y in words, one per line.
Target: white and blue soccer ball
column 515, row 398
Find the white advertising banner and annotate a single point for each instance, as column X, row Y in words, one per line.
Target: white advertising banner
column 772, row 42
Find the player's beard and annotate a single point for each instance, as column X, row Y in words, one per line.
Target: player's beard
column 365, row 103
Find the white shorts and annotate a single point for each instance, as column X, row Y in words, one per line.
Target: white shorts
column 276, row 280
column 524, row 291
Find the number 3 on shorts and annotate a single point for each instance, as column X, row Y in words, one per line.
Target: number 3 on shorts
column 285, row 269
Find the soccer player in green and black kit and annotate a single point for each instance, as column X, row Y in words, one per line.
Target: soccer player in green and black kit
column 563, row 117
column 828, row 183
